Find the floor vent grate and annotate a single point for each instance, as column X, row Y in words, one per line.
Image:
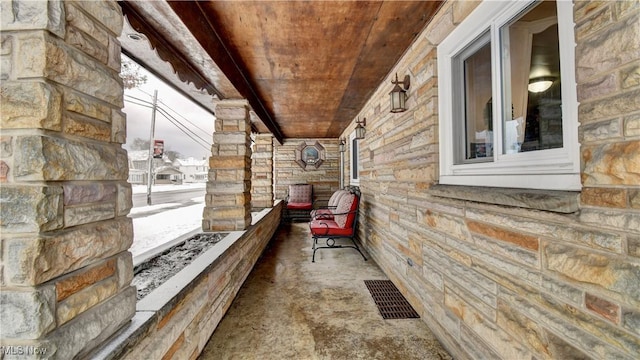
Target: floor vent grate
column 390, row 302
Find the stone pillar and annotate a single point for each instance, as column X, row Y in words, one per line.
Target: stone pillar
column 228, row 199
column 65, row 270
column 262, row 172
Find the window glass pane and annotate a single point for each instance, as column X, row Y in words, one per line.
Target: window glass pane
column 478, row 125
column 532, row 116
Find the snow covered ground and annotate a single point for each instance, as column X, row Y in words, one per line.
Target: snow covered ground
column 154, row 230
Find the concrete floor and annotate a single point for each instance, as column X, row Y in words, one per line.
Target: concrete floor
column 291, row 308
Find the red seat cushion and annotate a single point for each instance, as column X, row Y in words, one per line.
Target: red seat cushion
column 299, row 206
column 328, row 228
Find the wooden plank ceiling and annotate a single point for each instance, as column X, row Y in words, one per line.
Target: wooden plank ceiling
column 306, row 67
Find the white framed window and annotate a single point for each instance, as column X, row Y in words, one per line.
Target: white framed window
column 354, row 171
column 498, row 125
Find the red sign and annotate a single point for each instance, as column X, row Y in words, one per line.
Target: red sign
column 158, row 149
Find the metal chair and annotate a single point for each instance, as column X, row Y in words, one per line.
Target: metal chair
column 299, row 202
column 342, row 225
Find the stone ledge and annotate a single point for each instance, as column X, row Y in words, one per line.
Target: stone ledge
column 168, row 297
column 546, row 200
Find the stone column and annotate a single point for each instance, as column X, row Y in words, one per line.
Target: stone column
column 262, row 172
column 228, row 199
column 65, row 270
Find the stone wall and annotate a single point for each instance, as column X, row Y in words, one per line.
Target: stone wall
column 176, row 320
column 262, row 172
column 325, row 179
column 65, row 270
column 498, row 280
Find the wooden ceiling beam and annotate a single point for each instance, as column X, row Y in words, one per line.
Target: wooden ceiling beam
column 195, row 18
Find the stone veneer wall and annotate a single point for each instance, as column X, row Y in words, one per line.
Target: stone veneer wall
column 228, row 198
column 502, row 281
column 65, row 270
column 176, row 320
column 262, row 172
column 324, row 179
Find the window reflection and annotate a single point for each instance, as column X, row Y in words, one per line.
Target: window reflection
column 532, row 109
column 477, row 95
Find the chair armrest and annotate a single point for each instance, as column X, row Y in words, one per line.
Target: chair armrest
column 326, row 230
column 325, row 208
column 347, row 213
column 323, row 216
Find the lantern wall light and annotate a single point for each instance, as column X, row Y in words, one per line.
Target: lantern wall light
column 360, row 130
column 399, row 94
column 342, row 145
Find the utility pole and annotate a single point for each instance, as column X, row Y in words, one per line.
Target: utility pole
column 151, row 136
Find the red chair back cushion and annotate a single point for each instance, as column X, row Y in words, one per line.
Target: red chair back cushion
column 348, row 203
column 300, row 194
column 335, row 198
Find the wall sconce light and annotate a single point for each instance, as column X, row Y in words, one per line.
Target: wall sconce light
column 399, row 94
column 540, row 84
column 360, row 130
column 342, row 145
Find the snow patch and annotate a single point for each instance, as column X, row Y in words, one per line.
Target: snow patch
column 154, row 230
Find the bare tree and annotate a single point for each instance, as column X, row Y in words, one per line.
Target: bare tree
column 139, row 144
column 172, row 155
column 130, row 74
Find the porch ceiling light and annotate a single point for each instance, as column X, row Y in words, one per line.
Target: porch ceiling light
column 135, row 36
column 360, row 130
column 541, row 84
column 399, row 94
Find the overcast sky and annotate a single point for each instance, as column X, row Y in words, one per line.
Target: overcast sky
column 179, row 107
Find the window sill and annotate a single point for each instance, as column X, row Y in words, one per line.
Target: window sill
column 565, row 202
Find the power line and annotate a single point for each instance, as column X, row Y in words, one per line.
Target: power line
column 138, row 99
column 135, row 103
column 184, row 118
column 144, row 92
column 175, row 112
column 191, row 137
column 164, row 112
column 177, row 123
column 173, row 121
column 203, row 131
column 172, row 110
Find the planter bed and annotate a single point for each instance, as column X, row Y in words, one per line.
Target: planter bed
column 156, row 270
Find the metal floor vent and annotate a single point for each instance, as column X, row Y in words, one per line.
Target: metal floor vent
column 390, row 302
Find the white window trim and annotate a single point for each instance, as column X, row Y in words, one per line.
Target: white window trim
column 356, row 153
column 552, row 169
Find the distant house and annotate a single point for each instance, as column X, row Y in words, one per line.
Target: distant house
column 194, row 170
column 165, row 172
column 137, row 176
column 138, row 159
column 168, row 175
column 138, row 166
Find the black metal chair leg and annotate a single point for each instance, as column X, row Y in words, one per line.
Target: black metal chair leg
column 333, row 246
